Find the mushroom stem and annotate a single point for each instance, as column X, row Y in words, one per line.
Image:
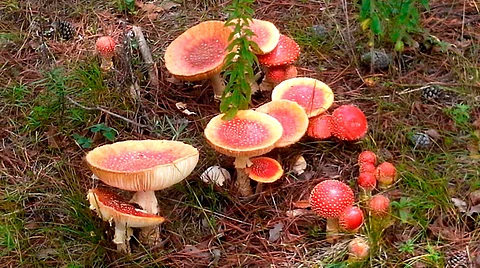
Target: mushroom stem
column 218, row 85
column 122, row 237
column 243, row 181
column 332, row 230
column 147, row 200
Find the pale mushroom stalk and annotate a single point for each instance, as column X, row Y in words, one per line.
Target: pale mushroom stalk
column 147, row 200
column 243, row 181
column 332, row 230
column 123, row 233
column 218, row 85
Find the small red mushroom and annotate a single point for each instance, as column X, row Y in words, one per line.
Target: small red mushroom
column 106, row 48
column 367, row 182
column 367, row 168
column 367, row 157
column 276, row 75
column 386, row 174
column 320, row 127
column 349, row 123
column 329, row 199
column 358, row 249
column 286, row 52
column 351, row 219
column 379, row 205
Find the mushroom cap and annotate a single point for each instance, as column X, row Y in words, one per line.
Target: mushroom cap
column 291, row 116
column 286, row 52
column 110, row 206
column 367, row 157
column 349, row 123
column 351, row 218
column 386, row 173
column 313, row 95
column 248, row 134
column 106, row 46
column 199, row 52
column 330, row 198
column 144, row 165
column 278, row 74
column 367, row 168
column 319, row 127
column 266, row 35
column 379, row 205
column 358, row 248
column 264, row 169
column 367, row 180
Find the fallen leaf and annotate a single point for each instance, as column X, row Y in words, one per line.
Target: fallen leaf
column 275, row 232
column 297, row 212
column 474, row 197
column 195, row 252
column 300, row 165
column 460, row 204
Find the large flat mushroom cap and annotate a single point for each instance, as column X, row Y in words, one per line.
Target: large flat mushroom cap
column 248, row 134
column 199, row 52
column 313, row 95
column 264, row 169
column 143, row 165
column 291, row 115
column 110, row 206
column 266, row 35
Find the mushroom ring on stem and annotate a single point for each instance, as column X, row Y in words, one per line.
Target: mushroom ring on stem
column 200, row 53
column 248, row 134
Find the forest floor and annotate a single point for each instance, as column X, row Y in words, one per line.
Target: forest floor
column 56, row 104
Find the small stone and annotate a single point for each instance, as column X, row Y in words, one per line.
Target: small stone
column 378, row 58
column 319, row 31
column 421, row 140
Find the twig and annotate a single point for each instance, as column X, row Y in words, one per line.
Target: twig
column 110, row 113
column 146, row 55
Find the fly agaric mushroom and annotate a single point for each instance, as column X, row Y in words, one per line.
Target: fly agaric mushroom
column 358, row 249
column 367, row 182
column 266, row 36
column 329, row 199
column 386, row 174
column 278, row 74
column 379, row 205
column 248, row 134
column 111, row 207
column 367, row 168
column 351, row 219
column 313, row 95
column 106, row 48
column 199, row 53
column 291, row 116
column 264, row 169
column 349, row 123
column 319, row 127
column 367, row 157
column 285, row 53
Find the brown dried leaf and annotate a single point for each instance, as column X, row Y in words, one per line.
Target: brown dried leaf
column 301, row 204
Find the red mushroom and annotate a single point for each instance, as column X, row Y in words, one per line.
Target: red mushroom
column 329, row 199
column 319, row 127
column 313, row 95
column 292, row 116
column 349, row 123
column 358, row 249
column 367, row 157
column 266, row 36
column 386, row 174
column 106, row 48
column 264, row 169
column 351, row 219
column 367, row 182
column 278, row 74
column 379, row 205
column 367, row 168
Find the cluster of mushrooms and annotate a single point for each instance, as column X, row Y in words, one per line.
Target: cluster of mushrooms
column 298, row 107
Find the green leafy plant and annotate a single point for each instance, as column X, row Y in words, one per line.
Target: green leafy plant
column 108, row 132
column 126, row 5
column 240, row 61
column 82, row 141
column 392, row 20
column 460, row 114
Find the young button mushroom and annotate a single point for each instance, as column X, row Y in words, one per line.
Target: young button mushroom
column 386, row 174
column 329, row 199
column 111, row 207
column 313, row 95
column 367, row 157
column 379, row 205
column 319, row 127
column 106, row 48
column 248, row 134
column 349, row 123
column 291, row 116
column 367, row 182
column 351, row 219
column 367, row 168
column 199, row 53
column 358, row 249
column 264, row 169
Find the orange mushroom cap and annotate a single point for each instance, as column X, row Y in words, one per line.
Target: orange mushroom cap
column 367, row 180
column 379, row 205
column 144, row 165
column 199, row 52
column 110, row 206
column 349, row 123
column 264, row 169
column 278, row 74
column 248, row 134
column 266, row 35
column 106, row 46
column 351, row 218
column 286, row 52
column 313, row 95
column 291, row 116
column 320, row 127
column 386, row 173
column 367, row 168
column 367, row 157
column 330, row 198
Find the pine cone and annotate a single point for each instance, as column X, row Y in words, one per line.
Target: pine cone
column 458, row 259
column 432, row 93
column 421, row 140
column 64, row 29
column 378, row 58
